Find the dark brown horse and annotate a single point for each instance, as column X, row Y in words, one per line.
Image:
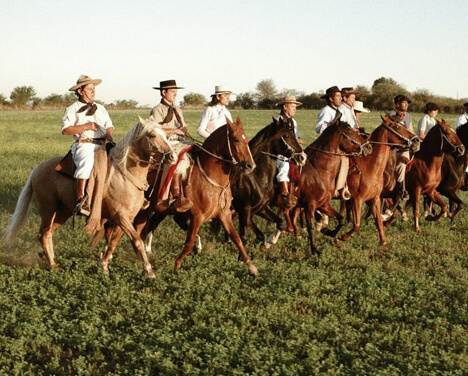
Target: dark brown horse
column 365, row 179
column 208, row 188
column 454, row 176
column 122, row 195
column 425, row 173
column 254, row 192
column 317, row 183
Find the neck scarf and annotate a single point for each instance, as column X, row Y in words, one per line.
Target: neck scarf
column 170, row 114
column 90, row 107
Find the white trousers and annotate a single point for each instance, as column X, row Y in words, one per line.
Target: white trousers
column 83, row 155
column 283, row 171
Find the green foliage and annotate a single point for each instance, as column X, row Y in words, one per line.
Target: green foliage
column 194, row 100
column 22, row 95
column 359, row 309
column 246, row 101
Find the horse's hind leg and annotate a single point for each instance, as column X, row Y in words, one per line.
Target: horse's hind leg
column 192, row 232
column 309, row 214
column 49, row 223
column 113, row 235
column 377, row 214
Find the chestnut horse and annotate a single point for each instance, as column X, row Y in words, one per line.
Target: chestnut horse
column 253, row 193
column 208, row 188
column 317, row 183
column 122, row 195
column 366, row 178
column 425, row 173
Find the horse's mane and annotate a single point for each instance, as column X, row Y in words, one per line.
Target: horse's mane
column 259, row 139
column 432, row 139
column 124, row 146
column 324, row 138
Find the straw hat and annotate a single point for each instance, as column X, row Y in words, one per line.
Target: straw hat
column 289, row 99
column 359, row 106
column 347, row 91
column 221, row 89
column 83, row 81
column 169, row 84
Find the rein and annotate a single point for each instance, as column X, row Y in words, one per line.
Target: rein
column 141, row 186
column 342, row 154
column 409, row 141
column 216, row 184
column 280, row 156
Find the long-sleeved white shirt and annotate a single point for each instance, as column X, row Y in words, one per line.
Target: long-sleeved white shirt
column 212, row 118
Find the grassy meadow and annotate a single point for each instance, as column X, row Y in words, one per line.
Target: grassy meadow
column 359, row 309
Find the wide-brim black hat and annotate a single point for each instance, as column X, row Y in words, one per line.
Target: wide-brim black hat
column 330, row 91
column 169, row 84
column 400, row 98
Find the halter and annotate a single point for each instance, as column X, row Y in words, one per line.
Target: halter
column 446, row 139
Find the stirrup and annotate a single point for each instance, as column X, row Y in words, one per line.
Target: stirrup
column 404, row 195
column 345, row 194
column 182, row 204
column 82, row 207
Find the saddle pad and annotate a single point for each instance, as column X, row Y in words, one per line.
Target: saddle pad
column 66, row 165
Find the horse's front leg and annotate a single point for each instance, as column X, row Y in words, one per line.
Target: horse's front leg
column 113, row 235
column 309, row 215
column 356, row 212
column 435, row 197
column 149, row 227
column 377, row 214
column 226, row 220
column 192, row 232
column 329, row 210
column 414, row 198
column 137, row 243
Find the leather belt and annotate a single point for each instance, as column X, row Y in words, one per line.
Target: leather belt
column 97, row 141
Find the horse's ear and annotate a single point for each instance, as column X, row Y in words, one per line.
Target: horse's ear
column 439, row 122
column 238, row 120
column 386, row 119
column 141, row 120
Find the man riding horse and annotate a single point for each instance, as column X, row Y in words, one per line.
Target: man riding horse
column 90, row 125
column 172, row 122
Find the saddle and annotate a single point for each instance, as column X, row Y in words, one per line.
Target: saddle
column 66, row 166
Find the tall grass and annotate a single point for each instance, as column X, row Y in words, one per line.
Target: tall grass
column 358, row 309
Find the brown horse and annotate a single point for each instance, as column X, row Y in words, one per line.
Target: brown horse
column 425, row 173
column 317, row 183
column 365, row 179
column 208, row 188
column 122, row 194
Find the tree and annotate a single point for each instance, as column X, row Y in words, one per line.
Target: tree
column 3, row 100
column 266, row 94
column 22, row 95
column 363, row 93
column 384, row 80
column 194, row 100
column 384, row 90
column 245, row 101
column 126, row 104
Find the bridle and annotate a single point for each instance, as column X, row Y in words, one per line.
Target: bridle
column 281, row 156
column 408, row 141
column 355, row 154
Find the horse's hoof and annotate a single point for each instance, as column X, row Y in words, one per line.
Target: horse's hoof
column 151, row 274
column 265, row 246
column 99, row 255
column 253, row 271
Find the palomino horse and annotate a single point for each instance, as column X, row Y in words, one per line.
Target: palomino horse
column 425, row 173
column 252, row 193
column 317, row 183
column 208, row 188
column 122, row 195
column 365, row 179
column 454, row 175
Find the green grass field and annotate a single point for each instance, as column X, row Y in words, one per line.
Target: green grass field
column 359, row 309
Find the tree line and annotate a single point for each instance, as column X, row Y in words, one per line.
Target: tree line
column 378, row 97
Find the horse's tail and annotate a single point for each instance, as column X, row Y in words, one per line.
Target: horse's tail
column 22, row 211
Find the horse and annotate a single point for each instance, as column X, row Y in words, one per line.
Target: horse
column 366, row 179
column 122, row 193
column 425, row 174
column 253, row 193
column 208, row 188
column 317, row 182
column 453, row 177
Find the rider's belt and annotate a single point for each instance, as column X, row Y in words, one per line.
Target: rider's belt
column 97, row 141
column 174, row 137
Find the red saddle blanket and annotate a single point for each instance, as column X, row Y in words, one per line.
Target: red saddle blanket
column 170, row 174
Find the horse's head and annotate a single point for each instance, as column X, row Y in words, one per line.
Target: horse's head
column 350, row 141
column 450, row 141
column 399, row 135
column 238, row 145
column 284, row 142
column 152, row 141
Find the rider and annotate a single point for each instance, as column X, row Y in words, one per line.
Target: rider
column 288, row 110
column 404, row 118
column 346, row 107
column 91, row 127
column 172, row 122
column 215, row 113
column 325, row 117
column 463, row 119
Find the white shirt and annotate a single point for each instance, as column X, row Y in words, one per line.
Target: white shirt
column 425, row 124
column 348, row 115
column 461, row 120
column 212, row 118
column 325, row 117
column 100, row 117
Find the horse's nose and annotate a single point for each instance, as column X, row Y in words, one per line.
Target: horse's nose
column 367, row 149
column 461, row 150
column 302, row 159
column 248, row 167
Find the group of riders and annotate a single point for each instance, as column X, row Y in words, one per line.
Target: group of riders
column 91, row 127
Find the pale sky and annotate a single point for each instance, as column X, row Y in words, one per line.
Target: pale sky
column 305, row 45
